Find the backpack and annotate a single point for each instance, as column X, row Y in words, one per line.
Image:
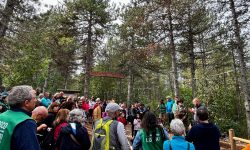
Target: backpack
column 100, row 139
column 48, row 143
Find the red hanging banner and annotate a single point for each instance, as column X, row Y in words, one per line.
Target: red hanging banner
column 107, row 74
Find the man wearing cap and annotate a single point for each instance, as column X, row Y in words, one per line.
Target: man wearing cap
column 3, row 102
column 17, row 128
column 117, row 135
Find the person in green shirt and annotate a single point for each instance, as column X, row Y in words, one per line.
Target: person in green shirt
column 17, row 128
column 162, row 109
column 151, row 135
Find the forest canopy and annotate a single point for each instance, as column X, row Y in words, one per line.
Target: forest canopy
column 184, row 48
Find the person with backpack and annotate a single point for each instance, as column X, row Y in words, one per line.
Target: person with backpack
column 108, row 133
column 151, row 135
column 74, row 136
column 178, row 141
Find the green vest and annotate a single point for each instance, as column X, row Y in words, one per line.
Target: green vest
column 162, row 109
column 8, row 121
column 147, row 141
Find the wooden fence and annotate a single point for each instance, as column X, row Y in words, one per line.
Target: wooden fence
column 233, row 140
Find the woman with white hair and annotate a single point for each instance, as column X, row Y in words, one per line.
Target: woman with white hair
column 178, row 141
column 74, row 136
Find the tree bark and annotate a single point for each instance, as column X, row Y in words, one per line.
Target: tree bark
column 5, row 17
column 6, row 14
column 130, row 86
column 191, row 55
column 237, row 87
column 45, row 86
column 89, row 58
column 172, row 48
column 243, row 68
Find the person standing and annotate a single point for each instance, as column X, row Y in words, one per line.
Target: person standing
column 162, row 109
column 18, row 129
column 74, row 136
column 177, row 142
column 91, row 107
column 137, row 123
column 45, row 101
column 197, row 105
column 97, row 113
column 169, row 106
column 3, row 102
column 39, row 114
column 52, row 110
column 60, row 122
column 115, row 132
column 205, row 135
column 151, row 136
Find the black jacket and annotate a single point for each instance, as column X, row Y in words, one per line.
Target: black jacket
column 65, row 142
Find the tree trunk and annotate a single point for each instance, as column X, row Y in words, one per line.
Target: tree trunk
column 237, row 87
column 66, row 81
column 170, row 83
column 173, row 51
column 204, row 64
column 6, row 15
column 45, row 86
column 243, row 68
column 130, row 86
column 191, row 55
column 89, row 58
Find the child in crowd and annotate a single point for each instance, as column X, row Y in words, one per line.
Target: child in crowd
column 122, row 119
column 159, row 121
column 137, row 124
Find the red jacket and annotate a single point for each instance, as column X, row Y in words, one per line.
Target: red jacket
column 122, row 120
column 58, row 130
column 85, row 106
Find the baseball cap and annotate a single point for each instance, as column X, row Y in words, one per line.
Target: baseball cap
column 112, row 107
column 4, row 94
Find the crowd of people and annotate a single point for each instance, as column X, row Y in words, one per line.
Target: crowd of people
column 32, row 121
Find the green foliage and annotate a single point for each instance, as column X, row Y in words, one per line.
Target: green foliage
column 50, row 47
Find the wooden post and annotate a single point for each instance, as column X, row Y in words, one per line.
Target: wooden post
column 232, row 142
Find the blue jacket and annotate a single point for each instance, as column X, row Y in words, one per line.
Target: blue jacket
column 169, row 106
column 45, row 102
column 24, row 136
column 178, row 143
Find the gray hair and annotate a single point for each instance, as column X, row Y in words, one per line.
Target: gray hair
column 177, row 127
column 18, row 94
column 77, row 115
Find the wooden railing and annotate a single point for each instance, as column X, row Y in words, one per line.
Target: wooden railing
column 233, row 139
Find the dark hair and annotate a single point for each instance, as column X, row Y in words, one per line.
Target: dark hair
column 52, row 105
column 68, row 105
column 149, row 124
column 202, row 114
